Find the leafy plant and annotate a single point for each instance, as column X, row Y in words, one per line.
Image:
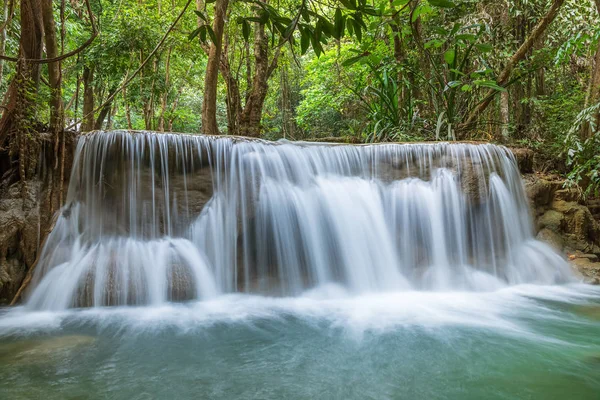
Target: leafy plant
column 583, row 154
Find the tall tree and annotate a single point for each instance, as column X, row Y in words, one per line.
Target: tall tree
column 518, row 56
column 211, row 78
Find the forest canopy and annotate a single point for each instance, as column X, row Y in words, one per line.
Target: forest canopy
column 521, row 72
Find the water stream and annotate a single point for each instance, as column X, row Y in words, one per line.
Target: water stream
column 215, row 267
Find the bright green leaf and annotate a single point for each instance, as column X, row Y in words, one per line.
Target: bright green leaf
column 450, row 56
column 441, row 3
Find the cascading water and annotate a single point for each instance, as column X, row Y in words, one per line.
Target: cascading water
column 152, row 218
column 323, row 271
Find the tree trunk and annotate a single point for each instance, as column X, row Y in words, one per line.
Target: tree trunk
column 88, row 99
column 7, row 13
column 252, row 113
column 127, row 109
column 234, row 100
column 505, row 114
column 105, row 111
column 165, row 96
column 504, row 76
column 211, row 78
column 593, row 93
column 54, row 70
column 26, row 81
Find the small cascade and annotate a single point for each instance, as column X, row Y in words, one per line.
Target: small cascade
column 153, row 217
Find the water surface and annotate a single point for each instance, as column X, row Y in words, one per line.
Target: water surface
column 524, row 342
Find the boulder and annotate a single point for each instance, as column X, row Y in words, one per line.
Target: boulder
column 524, row 158
column 588, row 269
column 552, row 238
column 550, row 220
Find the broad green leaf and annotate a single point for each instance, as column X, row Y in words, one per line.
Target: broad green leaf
column 421, row 9
column 484, row 47
column 211, row 33
column 352, row 60
column 246, row 30
column 489, row 84
column 452, row 84
column 357, row 30
column 304, row 40
column 316, row 45
column 194, row 33
column 450, row 56
column 305, row 14
column 441, row 3
column 201, row 15
column 338, row 29
column 467, row 37
column 436, row 43
column 349, row 4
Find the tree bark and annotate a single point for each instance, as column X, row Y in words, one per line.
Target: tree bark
column 104, row 111
column 26, row 82
column 505, row 114
column 88, row 99
column 8, row 13
column 54, row 70
column 165, row 95
column 252, row 113
column 593, row 93
column 504, row 76
column 211, row 78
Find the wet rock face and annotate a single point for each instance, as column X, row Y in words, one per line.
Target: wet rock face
column 524, row 159
column 19, row 237
column 566, row 223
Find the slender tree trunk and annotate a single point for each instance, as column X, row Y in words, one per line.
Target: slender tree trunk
column 233, row 101
column 111, row 116
column 593, row 91
column 26, row 81
column 165, row 96
column 399, row 54
column 504, row 76
column 54, row 70
column 252, row 113
column 127, row 109
column 211, row 78
column 7, row 13
column 105, row 111
column 88, row 99
column 505, row 114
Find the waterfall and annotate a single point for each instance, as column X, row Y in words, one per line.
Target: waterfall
column 154, row 217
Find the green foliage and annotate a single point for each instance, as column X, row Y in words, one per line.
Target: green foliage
column 374, row 71
column 328, row 104
column 583, row 154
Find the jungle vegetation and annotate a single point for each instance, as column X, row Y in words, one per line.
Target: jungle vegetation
column 520, row 72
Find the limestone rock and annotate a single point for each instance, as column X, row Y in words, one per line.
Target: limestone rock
column 540, row 191
column 524, row 159
column 590, row 270
column 551, row 219
column 552, row 238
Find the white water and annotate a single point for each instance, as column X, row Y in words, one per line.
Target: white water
column 153, row 218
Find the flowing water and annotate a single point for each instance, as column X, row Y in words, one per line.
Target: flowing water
column 213, row 267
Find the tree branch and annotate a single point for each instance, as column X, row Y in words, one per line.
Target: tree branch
column 504, row 76
column 67, row 55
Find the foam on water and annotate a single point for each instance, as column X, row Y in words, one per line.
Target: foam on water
column 505, row 311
